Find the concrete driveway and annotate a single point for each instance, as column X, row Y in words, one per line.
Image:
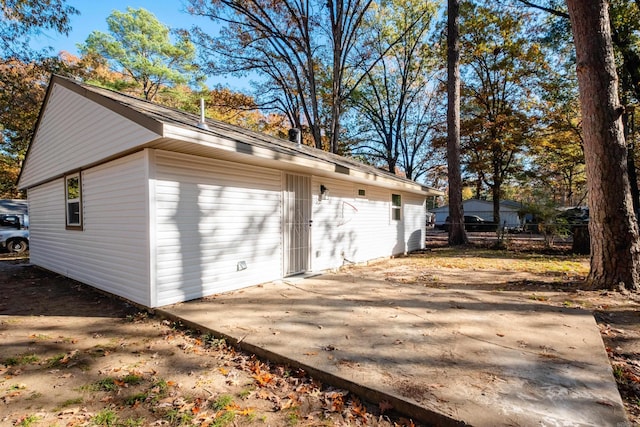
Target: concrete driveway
column 442, row 357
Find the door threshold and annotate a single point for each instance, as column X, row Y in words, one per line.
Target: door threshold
column 305, row 275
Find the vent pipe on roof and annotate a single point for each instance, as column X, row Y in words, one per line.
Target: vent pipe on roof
column 295, row 135
column 202, row 124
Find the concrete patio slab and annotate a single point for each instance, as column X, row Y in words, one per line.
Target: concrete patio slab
column 442, row 357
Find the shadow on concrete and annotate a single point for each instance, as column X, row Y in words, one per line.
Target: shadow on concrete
column 442, row 356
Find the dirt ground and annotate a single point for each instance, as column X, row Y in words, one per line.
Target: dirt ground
column 71, row 356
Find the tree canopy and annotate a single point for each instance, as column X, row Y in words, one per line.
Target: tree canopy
column 140, row 48
column 20, row 20
column 397, row 101
column 23, row 76
column 501, row 64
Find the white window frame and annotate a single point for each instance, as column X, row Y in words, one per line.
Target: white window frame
column 73, row 199
column 396, row 209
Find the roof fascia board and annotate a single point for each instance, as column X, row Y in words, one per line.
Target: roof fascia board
column 35, row 129
column 319, row 167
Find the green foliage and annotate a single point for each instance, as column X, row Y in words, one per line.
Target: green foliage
column 222, row 402
column 21, row 19
column 244, row 394
column 292, row 417
column 162, row 387
column 132, row 379
column 550, row 224
column 106, row 384
column 28, row 421
column 70, row 402
column 23, row 76
column 20, row 360
column 138, row 397
column 224, row 419
column 139, row 47
column 501, row 67
column 177, row 417
column 55, row 361
column 625, row 25
column 210, row 341
column 106, row 417
column 133, row 422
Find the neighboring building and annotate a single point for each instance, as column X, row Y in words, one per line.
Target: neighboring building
column 509, row 211
column 144, row 202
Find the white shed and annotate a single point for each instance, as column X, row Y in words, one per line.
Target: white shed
column 139, row 201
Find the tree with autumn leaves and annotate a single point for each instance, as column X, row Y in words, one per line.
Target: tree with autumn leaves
column 494, row 129
column 24, row 76
column 502, row 67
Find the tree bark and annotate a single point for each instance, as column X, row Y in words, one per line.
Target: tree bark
column 615, row 250
column 457, row 233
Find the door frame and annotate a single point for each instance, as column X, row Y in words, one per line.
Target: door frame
column 296, row 223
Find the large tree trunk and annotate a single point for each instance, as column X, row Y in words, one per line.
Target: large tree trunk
column 496, row 194
column 615, row 250
column 457, row 234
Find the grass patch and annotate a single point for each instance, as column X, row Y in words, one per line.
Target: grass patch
column 28, row 420
column 21, row 360
column 35, row 395
column 132, row 379
column 113, row 384
column 222, row 402
column 17, row 387
column 140, row 316
column 176, row 417
column 486, row 259
column 40, row 337
column 56, row 360
column 160, row 389
column 293, row 418
column 224, row 419
column 105, row 384
column 136, row 398
column 618, row 373
column 244, row 394
column 210, row 341
column 106, row 417
column 69, row 402
column 134, row 422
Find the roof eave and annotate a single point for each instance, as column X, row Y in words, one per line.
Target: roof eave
column 296, row 162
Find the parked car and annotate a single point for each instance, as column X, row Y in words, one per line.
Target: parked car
column 14, row 232
column 472, row 223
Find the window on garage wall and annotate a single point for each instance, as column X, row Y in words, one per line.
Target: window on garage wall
column 73, row 195
column 396, row 207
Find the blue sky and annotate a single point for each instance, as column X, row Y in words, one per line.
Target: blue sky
column 93, row 16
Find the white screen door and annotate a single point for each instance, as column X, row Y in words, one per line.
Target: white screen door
column 297, row 221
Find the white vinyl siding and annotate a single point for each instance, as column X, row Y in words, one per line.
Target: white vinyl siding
column 333, row 229
column 348, row 228
column 213, row 218
column 75, row 132
column 414, row 215
column 110, row 252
